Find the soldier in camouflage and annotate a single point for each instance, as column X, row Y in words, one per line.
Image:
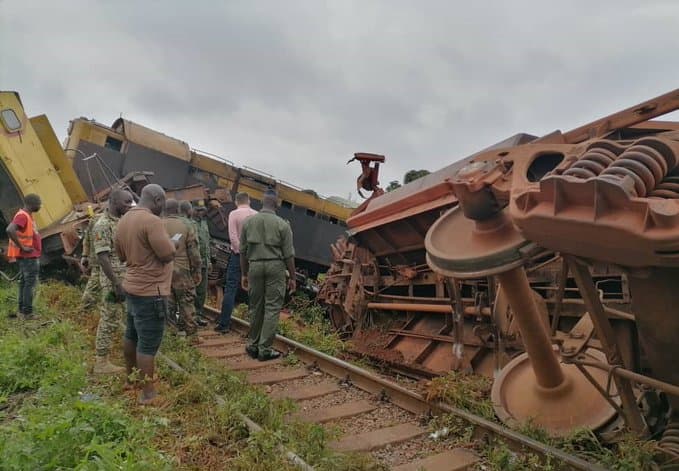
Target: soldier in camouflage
column 199, row 215
column 112, row 271
column 187, row 267
column 89, row 263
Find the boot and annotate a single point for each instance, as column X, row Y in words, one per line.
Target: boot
column 102, row 366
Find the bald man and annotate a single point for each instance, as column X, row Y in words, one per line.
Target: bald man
column 142, row 243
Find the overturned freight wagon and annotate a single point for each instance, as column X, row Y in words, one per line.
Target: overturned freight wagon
column 550, row 262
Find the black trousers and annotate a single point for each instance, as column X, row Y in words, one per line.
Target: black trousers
column 28, row 279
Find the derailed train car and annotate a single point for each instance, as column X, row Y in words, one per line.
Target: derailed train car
column 76, row 179
column 556, row 256
column 103, row 154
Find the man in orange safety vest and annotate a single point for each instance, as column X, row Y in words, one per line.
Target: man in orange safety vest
column 25, row 248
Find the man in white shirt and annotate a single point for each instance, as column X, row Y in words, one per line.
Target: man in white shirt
column 236, row 219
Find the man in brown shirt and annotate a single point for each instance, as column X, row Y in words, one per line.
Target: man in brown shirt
column 143, row 244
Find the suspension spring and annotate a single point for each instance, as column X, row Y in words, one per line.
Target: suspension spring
column 670, row 438
column 595, row 160
column 668, row 188
column 647, row 163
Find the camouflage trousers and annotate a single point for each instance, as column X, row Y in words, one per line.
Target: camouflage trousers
column 92, row 293
column 201, row 292
column 183, row 309
column 110, row 315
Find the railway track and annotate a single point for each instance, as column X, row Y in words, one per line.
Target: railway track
column 372, row 414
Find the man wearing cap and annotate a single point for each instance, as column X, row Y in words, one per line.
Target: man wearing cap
column 25, row 247
column 266, row 251
column 237, row 218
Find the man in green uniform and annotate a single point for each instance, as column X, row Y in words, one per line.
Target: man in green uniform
column 199, row 215
column 112, row 272
column 187, row 267
column 188, row 212
column 266, row 251
column 89, row 262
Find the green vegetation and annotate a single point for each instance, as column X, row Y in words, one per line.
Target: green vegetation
column 50, row 417
column 465, row 391
column 309, row 325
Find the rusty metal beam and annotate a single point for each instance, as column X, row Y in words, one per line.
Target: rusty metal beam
column 631, row 116
column 432, row 308
column 606, row 336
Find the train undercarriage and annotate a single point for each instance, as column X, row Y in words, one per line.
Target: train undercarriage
column 546, row 262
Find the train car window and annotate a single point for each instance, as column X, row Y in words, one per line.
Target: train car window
column 310, row 212
column 113, row 143
column 10, row 120
column 286, row 204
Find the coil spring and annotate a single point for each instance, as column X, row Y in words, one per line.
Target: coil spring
column 597, row 158
column 645, row 165
column 670, row 438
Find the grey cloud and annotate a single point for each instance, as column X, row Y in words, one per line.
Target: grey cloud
column 294, row 88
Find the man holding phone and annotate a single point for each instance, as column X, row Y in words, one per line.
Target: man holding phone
column 143, row 245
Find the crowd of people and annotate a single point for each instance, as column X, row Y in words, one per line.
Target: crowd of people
column 148, row 265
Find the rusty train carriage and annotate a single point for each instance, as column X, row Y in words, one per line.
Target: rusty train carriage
column 580, row 229
column 383, row 273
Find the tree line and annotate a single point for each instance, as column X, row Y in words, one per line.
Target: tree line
column 410, row 176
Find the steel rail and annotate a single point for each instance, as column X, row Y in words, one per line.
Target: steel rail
column 409, row 400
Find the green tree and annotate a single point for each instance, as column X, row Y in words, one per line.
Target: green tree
column 412, row 175
column 393, row 185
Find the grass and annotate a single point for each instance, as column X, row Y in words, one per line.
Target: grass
column 465, row 391
column 52, row 417
column 309, row 325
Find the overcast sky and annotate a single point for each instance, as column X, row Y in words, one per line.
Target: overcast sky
column 296, row 87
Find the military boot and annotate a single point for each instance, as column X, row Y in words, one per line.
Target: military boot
column 102, row 366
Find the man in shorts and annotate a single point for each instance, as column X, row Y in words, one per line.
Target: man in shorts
column 143, row 244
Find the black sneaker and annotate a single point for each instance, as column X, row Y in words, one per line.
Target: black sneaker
column 201, row 322
column 270, row 355
column 252, row 351
column 222, row 330
column 12, row 314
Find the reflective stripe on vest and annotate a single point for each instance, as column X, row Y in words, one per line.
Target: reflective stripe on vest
column 25, row 237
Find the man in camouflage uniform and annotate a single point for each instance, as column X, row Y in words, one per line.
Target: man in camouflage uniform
column 187, row 267
column 266, row 251
column 199, row 215
column 89, row 263
column 112, row 271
